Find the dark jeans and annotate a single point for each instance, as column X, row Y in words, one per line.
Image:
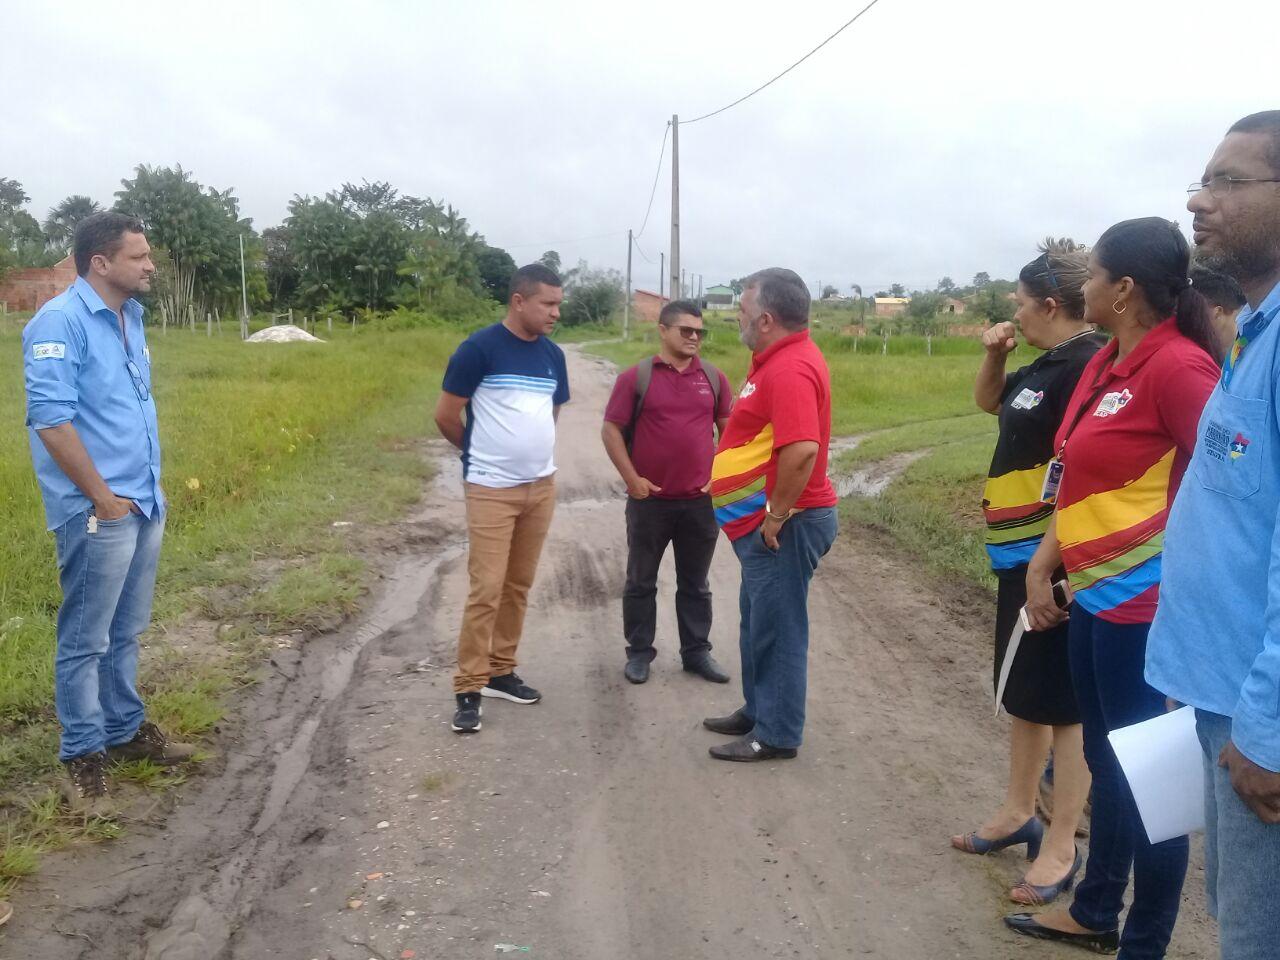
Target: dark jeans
column 690, row 527
column 774, row 637
column 1107, row 661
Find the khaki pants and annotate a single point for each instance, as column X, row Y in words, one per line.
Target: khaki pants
column 506, row 526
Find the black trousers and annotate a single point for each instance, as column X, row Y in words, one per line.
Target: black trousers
column 652, row 524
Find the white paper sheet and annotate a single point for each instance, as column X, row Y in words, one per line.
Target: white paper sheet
column 1164, row 765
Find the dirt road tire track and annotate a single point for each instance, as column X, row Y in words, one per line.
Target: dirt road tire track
column 592, row 826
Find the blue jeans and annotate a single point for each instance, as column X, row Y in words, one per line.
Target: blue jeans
column 108, row 578
column 1241, row 856
column 774, row 635
column 1107, row 662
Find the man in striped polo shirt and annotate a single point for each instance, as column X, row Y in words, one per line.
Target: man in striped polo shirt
column 511, row 381
column 774, row 501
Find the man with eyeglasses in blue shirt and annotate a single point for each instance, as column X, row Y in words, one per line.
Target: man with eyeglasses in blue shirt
column 1215, row 642
column 95, row 444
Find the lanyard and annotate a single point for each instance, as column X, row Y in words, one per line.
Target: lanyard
column 1250, row 330
column 1232, row 358
column 1080, row 412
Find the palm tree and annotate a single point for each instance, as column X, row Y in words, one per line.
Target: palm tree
column 60, row 226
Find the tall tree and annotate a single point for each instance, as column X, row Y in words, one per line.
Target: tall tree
column 981, row 279
column 551, row 259
column 198, row 229
column 21, row 240
column 946, row 286
column 495, row 267
column 897, row 290
column 60, row 225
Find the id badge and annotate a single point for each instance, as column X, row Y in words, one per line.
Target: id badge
column 1052, row 481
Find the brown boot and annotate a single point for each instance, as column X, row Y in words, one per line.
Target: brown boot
column 150, row 744
column 86, row 786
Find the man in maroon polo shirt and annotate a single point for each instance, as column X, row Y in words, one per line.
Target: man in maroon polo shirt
column 662, row 437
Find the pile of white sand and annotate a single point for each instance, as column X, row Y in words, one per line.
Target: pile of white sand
column 283, row 333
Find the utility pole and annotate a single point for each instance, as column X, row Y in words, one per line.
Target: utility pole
column 684, row 287
column 675, row 204
column 662, row 275
column 699, row 291
column 626, row 304
column 244, row 288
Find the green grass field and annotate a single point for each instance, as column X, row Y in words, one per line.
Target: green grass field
column 904, row 401
column 265, row 446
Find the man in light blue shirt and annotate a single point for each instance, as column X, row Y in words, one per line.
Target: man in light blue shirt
column 96, row 449
column 1215, row 643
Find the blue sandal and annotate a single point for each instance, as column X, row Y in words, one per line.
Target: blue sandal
column 1031, row 895
column 1031, row 833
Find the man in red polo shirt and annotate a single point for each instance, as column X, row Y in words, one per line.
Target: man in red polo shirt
column 773, row 498
column 659, row 430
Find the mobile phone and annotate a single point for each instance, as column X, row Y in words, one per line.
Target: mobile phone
column 1059, row 597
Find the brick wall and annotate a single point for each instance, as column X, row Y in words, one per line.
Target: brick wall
column 28, row 289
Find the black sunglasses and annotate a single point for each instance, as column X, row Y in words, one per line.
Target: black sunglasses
column 689, row 333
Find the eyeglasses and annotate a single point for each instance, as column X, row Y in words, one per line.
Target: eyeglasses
column 690, row 333
column 139, row 385
column 1219, row 187
column 1048, row 268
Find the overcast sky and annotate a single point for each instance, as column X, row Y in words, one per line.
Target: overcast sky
column 931, row 138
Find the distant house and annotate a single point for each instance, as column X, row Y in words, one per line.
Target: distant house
column 952, row 305
column 648, row 304
column 719, row 297
column 891, row 306
column 30, row 288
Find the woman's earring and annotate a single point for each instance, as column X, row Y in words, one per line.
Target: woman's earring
column 1121, row 310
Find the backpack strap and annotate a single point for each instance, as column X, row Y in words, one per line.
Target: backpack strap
column 713, row 377
column 644, row 374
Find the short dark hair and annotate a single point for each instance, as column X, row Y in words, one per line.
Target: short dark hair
column 525, row 280
column 1219, row 289
column 101, row 233
column 1267, row 123
column 783, row 294
column 678, row 308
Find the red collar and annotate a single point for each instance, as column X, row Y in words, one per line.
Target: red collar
column 758, row 360
column 1160, row 336
column 695, row 364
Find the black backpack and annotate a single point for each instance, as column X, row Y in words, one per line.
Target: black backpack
column 644, row 374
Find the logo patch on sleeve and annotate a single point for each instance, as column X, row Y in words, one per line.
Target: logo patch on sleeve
column 49, row 350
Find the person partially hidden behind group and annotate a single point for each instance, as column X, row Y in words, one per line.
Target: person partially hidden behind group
column 1122, row 449
column 1038, row 694
column 1225, row 299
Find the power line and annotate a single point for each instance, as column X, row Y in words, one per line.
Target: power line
column 643, row 256
column 656, row 174
column 706, row 116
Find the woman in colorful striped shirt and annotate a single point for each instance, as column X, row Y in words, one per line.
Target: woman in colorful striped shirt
column 1122, row 448
column 1038, row 694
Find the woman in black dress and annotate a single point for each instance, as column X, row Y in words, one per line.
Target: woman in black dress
column 1038, row 695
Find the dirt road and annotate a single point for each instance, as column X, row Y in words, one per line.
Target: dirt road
column 344, row 820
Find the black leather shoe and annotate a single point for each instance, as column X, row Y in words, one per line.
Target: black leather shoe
column 637, row 671
column 1101, row 941
column 706, row 668
column 749, row 750
column 736, row 724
